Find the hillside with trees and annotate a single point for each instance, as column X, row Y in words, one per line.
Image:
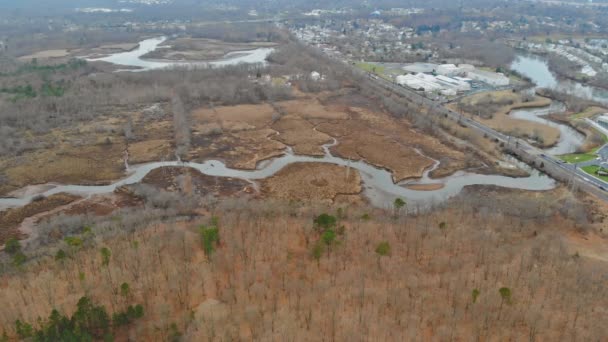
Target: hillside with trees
column 271, row 271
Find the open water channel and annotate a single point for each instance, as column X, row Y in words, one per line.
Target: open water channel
column 134, row 58
column 378, row 183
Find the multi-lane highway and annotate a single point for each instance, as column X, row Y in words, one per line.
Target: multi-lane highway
column 567, row 173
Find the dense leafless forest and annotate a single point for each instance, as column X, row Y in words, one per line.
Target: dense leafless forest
column 466, row 270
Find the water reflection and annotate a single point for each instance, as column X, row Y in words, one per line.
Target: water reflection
column 537, row 69
column 134, row 58
column 569, row 138
column 378, row 183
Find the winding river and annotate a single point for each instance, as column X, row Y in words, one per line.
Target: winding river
column 378, row 184
column 134, row 58
column 569, row 138
column 537, row 69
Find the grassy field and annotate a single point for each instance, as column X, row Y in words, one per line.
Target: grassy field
column 370, row 67
column 374, row 68
column 583, row 157
column 577, row 157
column 592, row 170
column 587, row 113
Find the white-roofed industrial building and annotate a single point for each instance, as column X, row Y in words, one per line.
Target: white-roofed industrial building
column 445, row 85
column 491, row 78
column 466, row 67
column 419, row 81
column 602, row 120
column 448, row 70
column 453, row 82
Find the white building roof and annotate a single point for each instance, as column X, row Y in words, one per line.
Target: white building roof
column 466, row 67
column 494, row 78
column 448, row 69
column 444, row 84
column 603, row 118
column 463, row 79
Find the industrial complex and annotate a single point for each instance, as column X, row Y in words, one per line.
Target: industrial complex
column 448, row 79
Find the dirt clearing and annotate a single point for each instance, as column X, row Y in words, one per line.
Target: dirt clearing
column 46, row 54
column 190, row 181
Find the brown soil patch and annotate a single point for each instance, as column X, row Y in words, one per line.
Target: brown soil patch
column 312, row 182
column 300, row 134
column 387, row 143
column 403, row 161
column 244, row 150
column 152, row 130
column 46, row 54
column 235, row 118
column 311, row 109
column 187, row 180
column 10, row 219
column 256, row 115
column 149, row 151
column 597, row 213
column 425, row 187
column 239, row 135
column 92, row 164
column 350, row 200
column 587, row 245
